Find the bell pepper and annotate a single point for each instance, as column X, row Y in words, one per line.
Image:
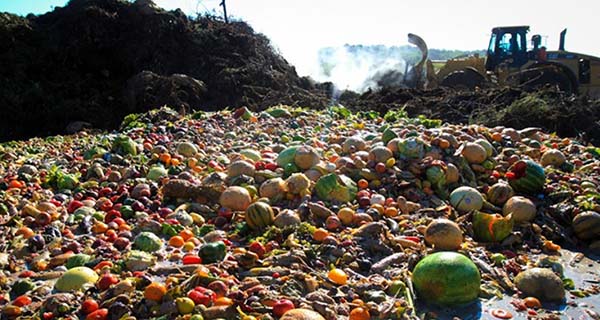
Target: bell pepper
column 212, row 252
column 201, row 295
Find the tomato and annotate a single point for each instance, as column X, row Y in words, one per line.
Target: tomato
column 89, row 306
column 192, row 259
column 282, row 306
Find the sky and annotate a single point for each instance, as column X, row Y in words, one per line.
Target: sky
column 299, row 28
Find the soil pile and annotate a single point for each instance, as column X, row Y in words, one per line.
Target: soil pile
column 99, row 60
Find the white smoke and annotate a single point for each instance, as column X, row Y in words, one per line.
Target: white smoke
column 356, row 68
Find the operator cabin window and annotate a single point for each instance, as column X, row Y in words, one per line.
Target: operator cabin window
column 510, row 43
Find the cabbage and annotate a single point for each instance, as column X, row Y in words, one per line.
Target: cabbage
column 124, row 145
column 412, row 147
column 147, row 241
column 156, row 172
column 336, row 187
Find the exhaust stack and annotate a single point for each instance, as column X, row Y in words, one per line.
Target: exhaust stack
column 561, row 46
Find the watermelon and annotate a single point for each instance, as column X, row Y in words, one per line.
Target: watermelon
column 527, row 177
column 491, row 227
column 447, row 278
column 259, row 215
column 336, row 187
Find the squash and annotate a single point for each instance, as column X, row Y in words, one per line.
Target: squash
column 474, row 153
column 354, row 143
column 187, row 149
column 273, row 189
column 75, row 279
column 235, row 198
column 521, row 208
column 489, row 149
column 241, row 167
column 286, row 218
column 553, row 157
column 452, row 173
column 301, row 314
column 306, row 157
column 380, row 154
column 491, row 227
column 541, row 283
column 466, row 199
column 443, row 234
column 527, row 177
column 447, row 279
column 499, row 193
column 587, row 225
column 259, row 215
column 336, row 187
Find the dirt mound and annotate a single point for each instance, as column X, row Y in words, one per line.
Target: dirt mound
column 567, row 115
column 79, row 63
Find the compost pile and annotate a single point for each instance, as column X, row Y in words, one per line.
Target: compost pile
column 293, row 213
column 96, row 61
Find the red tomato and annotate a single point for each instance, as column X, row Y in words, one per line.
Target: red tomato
column 22, row 301
column 282, row 306
column 89, row 306
column 192, row 259
column 100, row 314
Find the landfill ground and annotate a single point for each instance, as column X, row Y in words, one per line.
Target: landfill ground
column 246, row 215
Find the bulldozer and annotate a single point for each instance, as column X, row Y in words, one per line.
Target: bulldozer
column 509, row 61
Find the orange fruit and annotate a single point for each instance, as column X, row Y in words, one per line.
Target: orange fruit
column 155, row 291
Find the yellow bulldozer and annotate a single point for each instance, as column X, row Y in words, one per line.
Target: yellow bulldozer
column 510, row 62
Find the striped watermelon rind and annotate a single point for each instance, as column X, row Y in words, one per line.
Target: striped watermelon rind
column 533, row 180
column 259, row 215
column 587, row 225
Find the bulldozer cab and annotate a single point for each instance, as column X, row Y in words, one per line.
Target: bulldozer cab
column 507, row 45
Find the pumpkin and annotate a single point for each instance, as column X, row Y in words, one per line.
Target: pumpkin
column 147, row 241
column 491, row 227
column 75, row 279
column 466, row 199
column 447, row 279
column 587, row 225
column 452, row 173
column 553, row 157
column 286, row 218
column 286, row 156
column 380, row 154
column 354, row 143
column 306, row 157
column 443, row 234
column 521, row 208
column 541, row 283
column 489, row 149
column 259, row 215
column 527, row 177
column 474, row 153
column 273, row 189
column 187, row 149
column 297, row 183
column 499, row 193
column 301, row 314
column 241, row 167
column 336, row 187
column 235, row 198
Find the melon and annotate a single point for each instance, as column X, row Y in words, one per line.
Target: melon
column 241, row 167
column 259, row 215
column 235, row 198
column 443, row 234
column 336, row 187
column 474, row 153
column 553, row 157
column 306, row 157
column 521, row 208
column 466, row 199
column 447, row 279
column 587, row 225
column 499, row 193
column 75, row 279
column 491, row 227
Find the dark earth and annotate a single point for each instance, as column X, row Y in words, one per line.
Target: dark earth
column 92, row 62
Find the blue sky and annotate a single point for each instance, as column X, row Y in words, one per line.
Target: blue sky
column 299, row 28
